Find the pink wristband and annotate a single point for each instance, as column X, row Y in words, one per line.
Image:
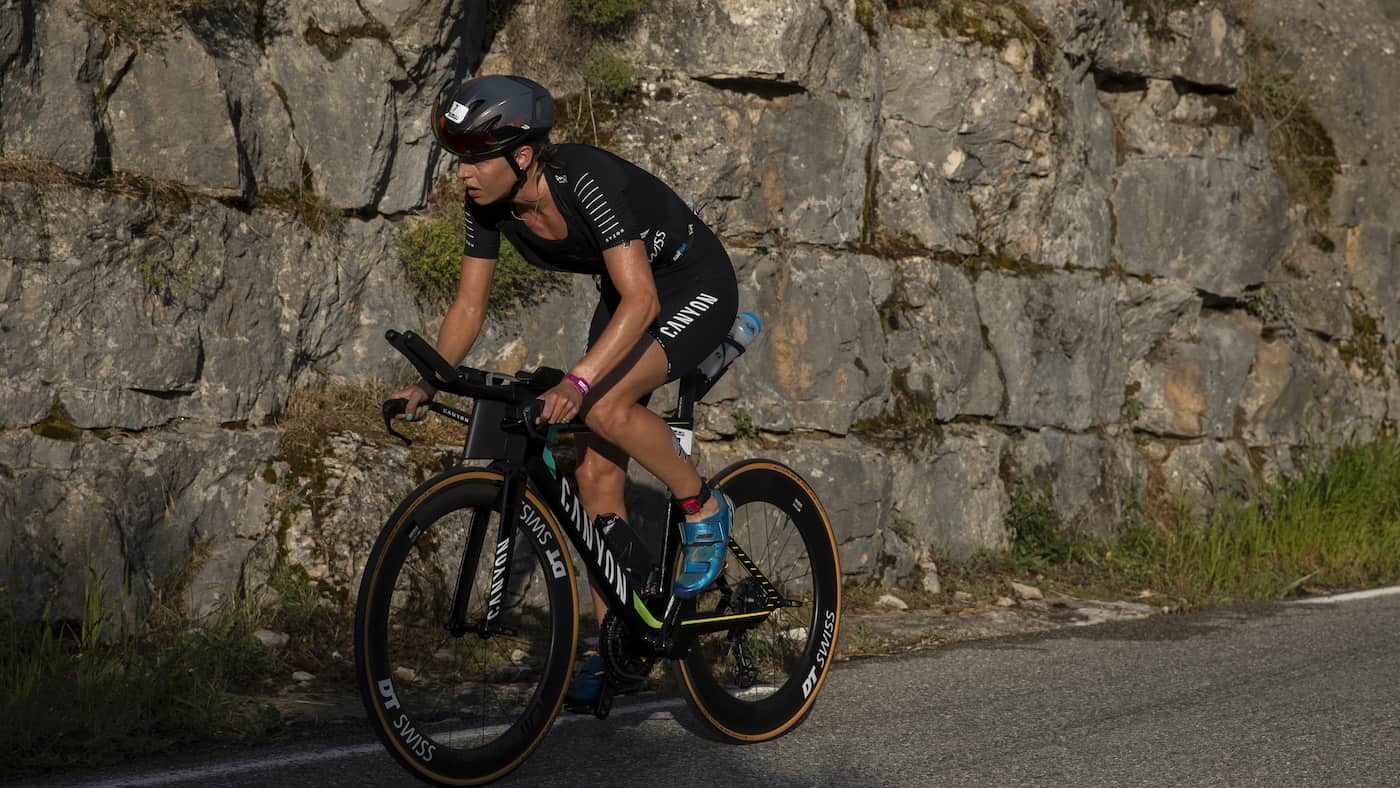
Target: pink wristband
column 579, row 383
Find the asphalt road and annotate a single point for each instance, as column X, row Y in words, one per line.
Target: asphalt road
column 1266, row 695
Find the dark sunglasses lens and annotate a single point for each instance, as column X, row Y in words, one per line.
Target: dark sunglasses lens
column 467, row 145
column 464, row 144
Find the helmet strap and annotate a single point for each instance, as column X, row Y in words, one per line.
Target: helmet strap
column 520, row 174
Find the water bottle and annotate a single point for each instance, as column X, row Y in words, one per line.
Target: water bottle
column 746, row 327
column 627, row 545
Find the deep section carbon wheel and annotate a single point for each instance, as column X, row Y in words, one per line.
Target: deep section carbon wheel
column 464, row 704
column 753, row 682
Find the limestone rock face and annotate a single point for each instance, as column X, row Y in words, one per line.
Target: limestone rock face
column 48, row 66
column 129, row 320
column 821, row 367
column 951, row 494
column 130, row 507
column 1057, row 340
column 933, row 338
column 761, row 116
column 1046, row 244
column 173, row 131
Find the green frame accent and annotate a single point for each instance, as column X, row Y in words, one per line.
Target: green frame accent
column 644, row 612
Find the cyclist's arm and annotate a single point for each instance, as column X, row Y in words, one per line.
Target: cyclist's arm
column 462, row 323
column 630, row 272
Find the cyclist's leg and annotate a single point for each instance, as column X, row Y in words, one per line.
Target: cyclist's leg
column 616, row 416
column 602, row 476
column 698, row 303
column 616, row 411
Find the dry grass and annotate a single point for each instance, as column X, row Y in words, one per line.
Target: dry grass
column 315, row 412
column 1301, row 149
column 991, row 23
column 38, row 173
column 141, row 24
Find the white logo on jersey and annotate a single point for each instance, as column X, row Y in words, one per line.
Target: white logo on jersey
column 687, row 315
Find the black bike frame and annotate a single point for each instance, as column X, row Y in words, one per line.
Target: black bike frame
column 506, row 433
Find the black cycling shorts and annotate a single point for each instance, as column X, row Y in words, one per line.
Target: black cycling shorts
column 699, row 302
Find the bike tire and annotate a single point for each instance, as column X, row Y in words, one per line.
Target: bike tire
column 783, row 529
column 463, row 710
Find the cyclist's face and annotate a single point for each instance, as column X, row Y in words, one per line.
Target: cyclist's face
column 488, row 180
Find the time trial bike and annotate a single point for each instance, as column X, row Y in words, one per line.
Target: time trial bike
column 464, row 645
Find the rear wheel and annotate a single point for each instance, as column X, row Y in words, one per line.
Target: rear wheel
column 754, row 682
column 464, row 709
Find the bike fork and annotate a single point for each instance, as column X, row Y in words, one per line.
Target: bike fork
column 509, row 508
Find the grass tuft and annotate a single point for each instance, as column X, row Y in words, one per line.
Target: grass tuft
column 743, row 424
column 301, row 202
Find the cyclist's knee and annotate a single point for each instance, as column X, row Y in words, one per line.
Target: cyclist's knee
column 596, row 473
column 608, row 419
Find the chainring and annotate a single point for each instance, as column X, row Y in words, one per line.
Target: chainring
column 628, row 658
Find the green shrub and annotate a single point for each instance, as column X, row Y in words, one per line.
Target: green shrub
column 1036, row 532
column 605, row 14
column 608, row 73
column 430, row 248
column 743, row 425
column 431, row 251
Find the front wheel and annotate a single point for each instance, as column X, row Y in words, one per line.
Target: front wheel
column 752, row 683
column 464, row 708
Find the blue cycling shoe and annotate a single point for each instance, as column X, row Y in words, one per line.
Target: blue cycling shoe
column 587, row 685
column 706, row 543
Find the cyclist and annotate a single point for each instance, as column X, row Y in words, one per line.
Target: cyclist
column 667, row 297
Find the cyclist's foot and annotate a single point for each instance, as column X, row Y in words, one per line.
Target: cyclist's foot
column 706, row 543
column 587, row 685
column 587, row 688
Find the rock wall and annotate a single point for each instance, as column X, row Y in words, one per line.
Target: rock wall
column 1054, row 241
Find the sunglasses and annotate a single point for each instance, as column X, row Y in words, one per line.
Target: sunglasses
column 468, row 145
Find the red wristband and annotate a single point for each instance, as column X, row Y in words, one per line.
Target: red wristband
column 579, row 383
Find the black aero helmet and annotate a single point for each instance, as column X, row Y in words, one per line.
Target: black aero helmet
column 491, row 116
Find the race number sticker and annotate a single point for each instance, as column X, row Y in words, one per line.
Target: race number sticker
column 685, row 440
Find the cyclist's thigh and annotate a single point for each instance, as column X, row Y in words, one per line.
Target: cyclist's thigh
column 699, row 302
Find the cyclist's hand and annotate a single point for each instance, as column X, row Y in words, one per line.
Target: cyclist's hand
column 418, row 396
column 561, row 403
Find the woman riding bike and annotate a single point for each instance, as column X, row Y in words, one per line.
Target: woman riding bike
column 668, row 297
